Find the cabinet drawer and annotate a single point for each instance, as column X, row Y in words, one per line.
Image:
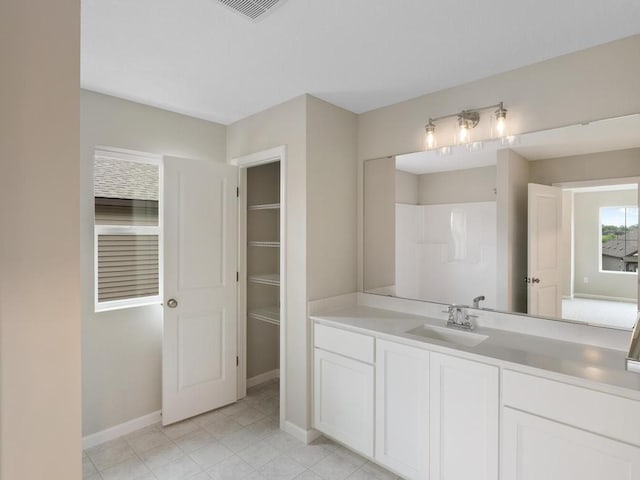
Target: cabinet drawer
column 601, row 413
column 537, row 448
column 349, row 344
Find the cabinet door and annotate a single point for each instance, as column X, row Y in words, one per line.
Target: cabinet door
column 402, row 409
column 343, row 400
column 535, row 448
column 464, row 416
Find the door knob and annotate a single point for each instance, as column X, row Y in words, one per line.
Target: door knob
column 535, row 280
column 172, row 303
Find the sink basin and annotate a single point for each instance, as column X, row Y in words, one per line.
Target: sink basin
column 446, row 334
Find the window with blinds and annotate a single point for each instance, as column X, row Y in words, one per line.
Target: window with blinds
column 127, row 231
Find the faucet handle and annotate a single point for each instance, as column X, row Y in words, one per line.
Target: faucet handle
column 451, row 311
column 467, row 320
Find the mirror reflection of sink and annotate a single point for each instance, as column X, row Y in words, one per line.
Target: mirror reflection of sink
column 445, row 334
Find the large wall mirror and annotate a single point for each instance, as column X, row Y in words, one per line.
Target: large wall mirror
column 547, row 225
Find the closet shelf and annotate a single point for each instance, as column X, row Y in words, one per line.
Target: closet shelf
column 266, row 278
column 266, row 314
column 264, row 206
column 265, row 244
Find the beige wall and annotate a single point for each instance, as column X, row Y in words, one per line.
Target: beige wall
column 594, row 166
column 321, row 216
column 587, row 247
column 39, row 241
column 285, row 124
column 380, row 223
column 591, row 84
column 121, row 349
column 596, row 83
column 331, row 200
column 458, row 186
column 407, row 187
column 512, row 205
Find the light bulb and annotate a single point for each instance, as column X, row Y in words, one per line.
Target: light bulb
column 501, row 121
column 463, row 135
column 500, row 126
column 465, row 124
column 430, row 141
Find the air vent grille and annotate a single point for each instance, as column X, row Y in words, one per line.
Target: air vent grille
column 253, row 9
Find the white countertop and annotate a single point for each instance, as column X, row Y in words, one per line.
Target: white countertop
column 604, row 366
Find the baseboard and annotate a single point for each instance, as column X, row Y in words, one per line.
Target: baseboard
column 263, row 377
column 306, row 436
column 119, row 430
column 604, row 297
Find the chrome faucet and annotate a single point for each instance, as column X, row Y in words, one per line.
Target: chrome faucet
column 477, row 300
column 458, row 317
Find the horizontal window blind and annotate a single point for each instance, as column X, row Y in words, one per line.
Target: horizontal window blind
column 128, row 266
column 115, row 211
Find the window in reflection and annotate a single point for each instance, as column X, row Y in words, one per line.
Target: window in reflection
column 619, row 239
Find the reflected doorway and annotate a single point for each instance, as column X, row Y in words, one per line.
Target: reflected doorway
column 600, row 254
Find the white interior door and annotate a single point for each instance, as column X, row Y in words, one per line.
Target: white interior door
column 544, row 292
column 200, row 288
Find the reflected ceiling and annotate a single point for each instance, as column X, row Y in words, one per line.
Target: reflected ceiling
column 602, row 136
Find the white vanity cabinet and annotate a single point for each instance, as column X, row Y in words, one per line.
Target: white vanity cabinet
column 464, row 419
column 426, row 414
column 436, row 416
column 344, row 387
column 555, row 430
column 402, row 409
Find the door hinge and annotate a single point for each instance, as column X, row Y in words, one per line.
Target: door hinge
column 237, row 276
column 237, row 361
column 238, row 192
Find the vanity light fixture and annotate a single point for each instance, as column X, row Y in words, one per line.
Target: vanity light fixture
column 467, row 121
column 501, row 120
column 431, row 135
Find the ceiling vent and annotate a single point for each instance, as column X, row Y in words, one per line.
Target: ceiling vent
column 252, row 9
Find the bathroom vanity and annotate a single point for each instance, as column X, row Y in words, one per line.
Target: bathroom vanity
column 517, row 398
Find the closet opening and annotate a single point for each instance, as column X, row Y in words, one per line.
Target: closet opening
column 261, row 276
column 263, row 273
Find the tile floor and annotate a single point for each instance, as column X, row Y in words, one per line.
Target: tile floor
column 237, row 442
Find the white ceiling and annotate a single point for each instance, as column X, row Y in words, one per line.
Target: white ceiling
column 199, row 58
column 602, row 136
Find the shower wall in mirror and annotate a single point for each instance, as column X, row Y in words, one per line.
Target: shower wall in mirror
column 449, row 228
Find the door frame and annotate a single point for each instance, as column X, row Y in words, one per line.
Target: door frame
column 276, row 154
